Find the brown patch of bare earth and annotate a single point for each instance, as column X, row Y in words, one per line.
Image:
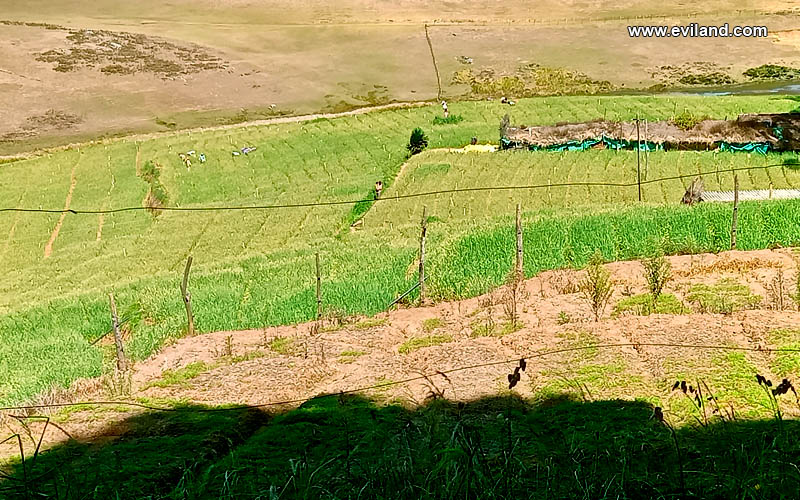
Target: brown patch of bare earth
column 315, row 363
column 251, row 367
column 313, row 366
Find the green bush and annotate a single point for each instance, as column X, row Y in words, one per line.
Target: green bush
column 657, row 271
column 149, row 172
column 597, row 287
column 687, row 120
column 157, row 196
column 417, row 142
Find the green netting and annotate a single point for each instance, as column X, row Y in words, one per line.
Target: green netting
column 748, row 147
column 617, row 144
column 590, row 143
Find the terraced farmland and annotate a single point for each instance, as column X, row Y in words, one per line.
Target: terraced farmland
column 255, row 268
column 440, row 171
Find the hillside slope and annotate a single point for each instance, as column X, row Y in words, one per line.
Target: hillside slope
column 403, row 359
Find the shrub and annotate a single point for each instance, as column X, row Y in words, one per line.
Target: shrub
column 596, row 287
column 657, row 271
column 150, row 172
column 686, row 120
column 417, row 142
column 157, row 196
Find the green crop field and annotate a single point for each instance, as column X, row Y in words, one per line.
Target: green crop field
column 255, row 268
column 437, row 170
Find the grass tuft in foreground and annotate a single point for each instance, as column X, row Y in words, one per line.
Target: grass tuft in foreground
column 494, row 448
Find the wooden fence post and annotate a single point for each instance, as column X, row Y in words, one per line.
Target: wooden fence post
column 122, row 364
column 638, row 161
column 735, row 216
column 422, row 255
column 319, row 289
column 519, row 269
column 646, row 151
column 187, row 296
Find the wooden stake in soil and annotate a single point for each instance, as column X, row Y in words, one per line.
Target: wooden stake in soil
column 187, row 297
column 646, row 151
column 422, row 255
column 519, row 270
column 122, row 364
column 735, row 216
column 319, row 290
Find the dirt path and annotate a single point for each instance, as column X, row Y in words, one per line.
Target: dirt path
column 101, row 217
column 48, row 248
column 267, row 121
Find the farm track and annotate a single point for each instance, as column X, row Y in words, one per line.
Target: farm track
column 577, row 21
column 48, row 249
column 101, row 217
column 233, row 126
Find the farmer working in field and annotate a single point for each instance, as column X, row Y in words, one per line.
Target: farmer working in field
column 444, row 108
column 378, row 189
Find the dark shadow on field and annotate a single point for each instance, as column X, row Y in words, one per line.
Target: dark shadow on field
column 351, row 447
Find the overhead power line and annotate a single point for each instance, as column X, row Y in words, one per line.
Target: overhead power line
column 386, row 198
